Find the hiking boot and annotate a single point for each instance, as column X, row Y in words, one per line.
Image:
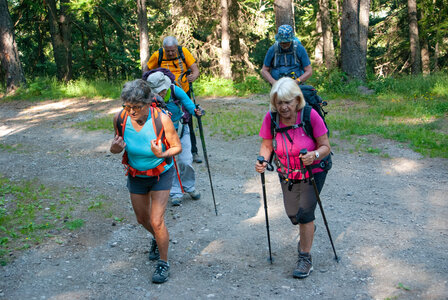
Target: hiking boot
column 196, row 158
column 162, row 272
column 176, row 201
column 195, row 195
column 154, row 250
column 304, row 266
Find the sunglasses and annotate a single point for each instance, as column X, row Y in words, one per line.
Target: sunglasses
column 135, row 108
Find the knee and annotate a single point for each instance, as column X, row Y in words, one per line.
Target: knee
column 142, row 219
column 304, row 216
column 157, row 224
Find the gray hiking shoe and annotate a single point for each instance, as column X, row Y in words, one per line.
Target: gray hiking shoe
column 154, row 251
column 195, row 195
column 162, row 272
column 196, row 158
column 304, row 266
column 176, row 201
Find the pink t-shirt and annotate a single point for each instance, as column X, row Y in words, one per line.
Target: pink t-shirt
column 300, row 141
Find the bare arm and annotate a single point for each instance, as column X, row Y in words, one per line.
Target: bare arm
column 266, row 149
column 194, row 73
column 308, row 71
column 172, row 138
column 266, row 73
column 323, row 147
column 118, row 143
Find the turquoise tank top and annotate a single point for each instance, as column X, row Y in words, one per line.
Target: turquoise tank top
column 138, row 147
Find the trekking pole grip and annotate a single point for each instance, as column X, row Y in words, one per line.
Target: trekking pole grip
column 261, row 160
column 308, row 168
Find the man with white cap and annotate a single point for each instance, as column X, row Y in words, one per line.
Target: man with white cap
column 286, row 58
column 174, row 98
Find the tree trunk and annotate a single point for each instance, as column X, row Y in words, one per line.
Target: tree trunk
column 319, row 50
column 284, row 13
column 338, row 11
column 225, row 65
column 355, row 22
column 425, row 57
column 9, row 55
column 143, row 31
column 436, row 56
column 416, row 67
column 60, row 36
column 106, row 50
column 327, row 34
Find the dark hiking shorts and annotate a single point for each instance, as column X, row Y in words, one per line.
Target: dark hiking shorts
column 300, row 202
column 143, row 185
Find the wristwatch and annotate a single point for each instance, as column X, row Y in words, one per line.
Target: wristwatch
column 316, row 153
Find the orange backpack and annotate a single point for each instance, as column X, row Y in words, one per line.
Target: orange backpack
column 160, row 135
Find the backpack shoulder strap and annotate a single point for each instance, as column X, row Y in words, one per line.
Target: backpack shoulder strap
column 181, row 54
column 159, row 62
column 305, row 119
column 121, row 122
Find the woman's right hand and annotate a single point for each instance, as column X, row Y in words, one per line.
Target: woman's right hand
column 260, row 167
column 118, row 144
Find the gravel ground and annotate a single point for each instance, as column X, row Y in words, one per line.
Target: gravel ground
column 387, row 216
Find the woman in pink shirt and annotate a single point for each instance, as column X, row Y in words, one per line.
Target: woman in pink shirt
column 300, row 201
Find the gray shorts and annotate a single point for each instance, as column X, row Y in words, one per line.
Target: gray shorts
column 300, row 202
column 143, row 185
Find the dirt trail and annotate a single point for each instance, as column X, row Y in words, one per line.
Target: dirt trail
column 388, row 218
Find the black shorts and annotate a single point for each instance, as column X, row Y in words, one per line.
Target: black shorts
column 300, row 202
column 143, row 185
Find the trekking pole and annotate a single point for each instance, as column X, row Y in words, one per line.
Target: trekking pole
column 261, row 160
column 204, row 149
column 316, row 191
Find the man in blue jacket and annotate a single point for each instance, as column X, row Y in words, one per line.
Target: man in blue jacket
column 286, row 58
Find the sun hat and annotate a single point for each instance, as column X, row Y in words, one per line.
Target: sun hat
column 158, row 82
column 285, row 34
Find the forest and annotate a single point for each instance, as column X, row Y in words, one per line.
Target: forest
column 111, row 40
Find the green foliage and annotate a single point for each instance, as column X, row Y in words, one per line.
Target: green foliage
column 99, row 123
column 75, row 224
column 50, row 88
column 219, row 87
column 233, row 123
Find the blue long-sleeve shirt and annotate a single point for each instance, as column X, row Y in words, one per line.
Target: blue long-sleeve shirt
column 176, row 111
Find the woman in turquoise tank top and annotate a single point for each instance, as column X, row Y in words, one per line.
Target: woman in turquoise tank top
column 149, row 194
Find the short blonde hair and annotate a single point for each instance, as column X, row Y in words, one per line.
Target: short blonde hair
column 286, row 89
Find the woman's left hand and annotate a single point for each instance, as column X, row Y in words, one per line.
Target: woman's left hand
column 308, row 158
column 156, row 148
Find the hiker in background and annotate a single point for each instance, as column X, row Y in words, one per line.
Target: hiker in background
column 174, row 97
column 299, row 199
column 286, row 58
column 150, row 165
column 178, row 60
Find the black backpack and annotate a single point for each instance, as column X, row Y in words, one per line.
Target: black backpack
column 313, row 100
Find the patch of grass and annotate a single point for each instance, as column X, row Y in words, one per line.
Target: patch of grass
column 100, row 123
column 49, row 88
column 31, row 213
column 219, row 87
column 403, row 287
column 414, row 122
column 234, row 123
column 11, row 148
column 75, row 224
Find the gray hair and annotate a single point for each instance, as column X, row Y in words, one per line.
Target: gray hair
column 136, row 91
column 170, row 41
column 286, row 89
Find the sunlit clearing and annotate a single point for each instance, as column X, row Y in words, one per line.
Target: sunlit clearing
column 402, row 165
column 5, row 130
column 117, row 266
column 213, row 247
column 273, row 195
column 72, row 295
